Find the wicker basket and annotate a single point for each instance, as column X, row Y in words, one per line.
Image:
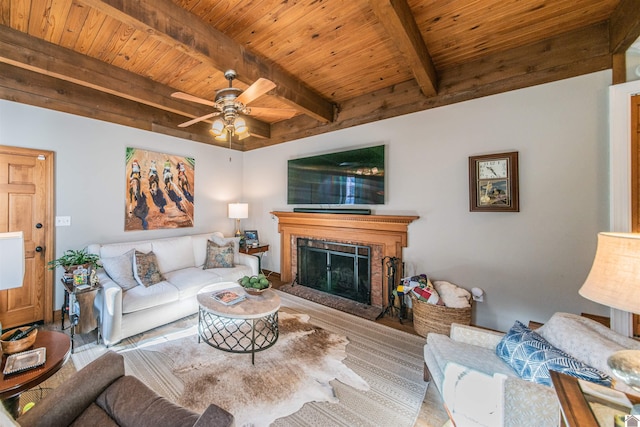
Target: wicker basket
column 437, row 318
column 11, row 347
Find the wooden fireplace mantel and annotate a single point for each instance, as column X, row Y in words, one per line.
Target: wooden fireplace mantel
column 388, row 231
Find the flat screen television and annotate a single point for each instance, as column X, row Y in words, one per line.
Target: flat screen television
column 353, row 177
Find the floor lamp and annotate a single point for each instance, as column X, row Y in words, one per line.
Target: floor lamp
column 614, row 280
column 238, row 211
column 11, row 261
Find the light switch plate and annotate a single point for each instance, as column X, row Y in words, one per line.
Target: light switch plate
column 63, row 221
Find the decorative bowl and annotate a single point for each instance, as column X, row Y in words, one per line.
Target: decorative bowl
column 11, row 347
column 254, row 291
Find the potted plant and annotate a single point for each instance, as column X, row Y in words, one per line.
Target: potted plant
column 73, row 258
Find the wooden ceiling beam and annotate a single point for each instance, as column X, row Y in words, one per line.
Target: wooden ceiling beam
column 398, row 20
column 32, row 88
column 577, row 51
column 172, row 24
column 5, row 12
column 24, row 51
column 624, row 26
column 40, row 90
column 33, row 54
column 568, row 55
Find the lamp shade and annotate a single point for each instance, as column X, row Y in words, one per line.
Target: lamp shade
column 238, row 210
column 217, row 128
column 240, row 126
column 11, row 260
column 614, row 279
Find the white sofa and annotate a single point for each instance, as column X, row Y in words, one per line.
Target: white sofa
column 480, row 389
column 124, row 313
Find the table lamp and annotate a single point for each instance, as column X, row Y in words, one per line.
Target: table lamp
column 238, row 211
column 11, row 260
column 614, row 280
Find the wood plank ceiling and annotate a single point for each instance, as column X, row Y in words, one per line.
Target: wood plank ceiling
column 338, row 63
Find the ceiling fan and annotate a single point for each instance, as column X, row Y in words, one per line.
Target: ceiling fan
column 230, row 103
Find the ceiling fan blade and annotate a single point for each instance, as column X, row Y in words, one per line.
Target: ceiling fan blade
column 256, row 90
column 274, row 114
column 187, row 97
column 198, row 119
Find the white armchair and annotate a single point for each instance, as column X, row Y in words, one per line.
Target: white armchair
column 480, row 389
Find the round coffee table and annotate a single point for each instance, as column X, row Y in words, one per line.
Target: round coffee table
column 58, row 347
column 248, row 326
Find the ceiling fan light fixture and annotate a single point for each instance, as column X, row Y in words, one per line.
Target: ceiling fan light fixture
column 228, row 104
column 240, row 126
column 217, row 128
column 222, row 137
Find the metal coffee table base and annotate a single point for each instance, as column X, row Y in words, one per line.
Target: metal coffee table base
column 238, row 335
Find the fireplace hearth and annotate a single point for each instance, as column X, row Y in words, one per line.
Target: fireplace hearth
column 336, row 268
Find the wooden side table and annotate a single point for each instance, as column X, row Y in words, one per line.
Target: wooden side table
column 576, row 410
column 58, row 347
column 81, row 317
column 257, row 251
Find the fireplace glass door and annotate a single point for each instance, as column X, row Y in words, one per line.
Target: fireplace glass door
column 336, row 268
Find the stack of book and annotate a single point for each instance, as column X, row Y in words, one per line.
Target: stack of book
column 228, row 297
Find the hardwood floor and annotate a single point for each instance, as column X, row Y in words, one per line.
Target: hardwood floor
column 394, row 322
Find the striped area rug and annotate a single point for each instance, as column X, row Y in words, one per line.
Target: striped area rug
column 390, row 361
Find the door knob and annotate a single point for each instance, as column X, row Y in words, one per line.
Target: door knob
column 39, row 249
column 38, row 225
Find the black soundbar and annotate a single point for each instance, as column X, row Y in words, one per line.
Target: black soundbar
column 348, row 211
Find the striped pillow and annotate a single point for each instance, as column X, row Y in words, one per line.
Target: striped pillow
column 531, row 356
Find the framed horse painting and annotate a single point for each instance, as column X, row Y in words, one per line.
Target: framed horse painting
column 159, row 190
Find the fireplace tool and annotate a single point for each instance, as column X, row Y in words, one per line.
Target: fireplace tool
column 391, row 264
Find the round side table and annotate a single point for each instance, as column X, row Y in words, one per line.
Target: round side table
column 248, row 326
column 58, row 347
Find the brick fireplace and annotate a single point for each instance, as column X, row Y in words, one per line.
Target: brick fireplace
column 386, row 235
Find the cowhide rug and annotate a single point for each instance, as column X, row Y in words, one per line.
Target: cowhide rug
column 296, row 370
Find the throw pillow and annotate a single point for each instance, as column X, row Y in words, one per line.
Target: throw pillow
column 452, row 295
column 120, row 269
column 218, row 256
column 146, row 269
column 224, row 241
column 531, row 356
column 586, row 339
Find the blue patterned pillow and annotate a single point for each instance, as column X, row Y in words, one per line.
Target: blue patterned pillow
column 531, row 356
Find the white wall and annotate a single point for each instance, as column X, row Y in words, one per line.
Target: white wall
column 90, row 175
column 530, row 264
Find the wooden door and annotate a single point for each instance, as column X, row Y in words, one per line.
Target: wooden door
column 26, row 204
column 635, row 181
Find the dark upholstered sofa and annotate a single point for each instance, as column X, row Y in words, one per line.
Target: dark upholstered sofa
column 102, row 395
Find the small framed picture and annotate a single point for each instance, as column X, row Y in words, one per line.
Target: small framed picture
column 493, row 183
column 251, row 237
